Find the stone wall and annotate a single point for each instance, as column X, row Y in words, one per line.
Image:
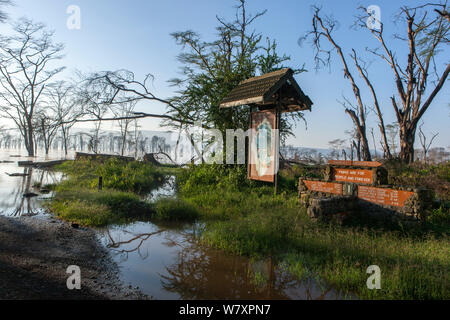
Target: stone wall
column 325, row 205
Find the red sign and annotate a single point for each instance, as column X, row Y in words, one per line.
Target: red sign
column 355, row 163
column 353, row 175
column 321, row 186
column 384, row 196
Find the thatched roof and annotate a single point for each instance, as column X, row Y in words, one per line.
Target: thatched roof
column 268, row 89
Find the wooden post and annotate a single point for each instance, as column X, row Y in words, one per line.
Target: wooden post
column 277, row 159
column 100, row 183
column 247, row 152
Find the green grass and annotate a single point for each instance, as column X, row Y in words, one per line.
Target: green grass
column 131, row 176
column 168, row 209
column 98, row 208
column 432, row 176
column 77, row 198
column 245, row 218
column 412, row 268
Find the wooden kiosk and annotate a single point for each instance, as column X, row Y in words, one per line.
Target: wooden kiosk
column 268, row 96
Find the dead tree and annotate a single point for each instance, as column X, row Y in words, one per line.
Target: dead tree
column 24, row 74
column 423, row 141
column 425, row 36
column 64, row 109
column 117, row 87
column 46, row 126
column 323, row 29
column 124, row 112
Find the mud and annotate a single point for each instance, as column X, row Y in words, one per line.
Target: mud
column 35, row 254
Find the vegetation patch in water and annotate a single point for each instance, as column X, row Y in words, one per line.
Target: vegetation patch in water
column 168, row 209
column 78, row 199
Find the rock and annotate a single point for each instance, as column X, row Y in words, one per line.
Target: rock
column 75, row 225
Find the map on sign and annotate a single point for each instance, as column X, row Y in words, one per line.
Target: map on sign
column 264, row 146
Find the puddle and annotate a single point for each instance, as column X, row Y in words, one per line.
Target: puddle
column 169, row 263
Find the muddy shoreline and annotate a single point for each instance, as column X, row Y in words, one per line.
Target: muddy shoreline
column 35, row 253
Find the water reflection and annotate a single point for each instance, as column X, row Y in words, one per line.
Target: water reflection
column 166, row 190
column 18, row 186
column 169, row 263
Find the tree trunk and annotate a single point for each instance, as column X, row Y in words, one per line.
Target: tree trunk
column 407, row 138
column 29, row 141
column 65, row 134
column 365, row 149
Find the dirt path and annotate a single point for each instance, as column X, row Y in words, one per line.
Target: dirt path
column 34, row 256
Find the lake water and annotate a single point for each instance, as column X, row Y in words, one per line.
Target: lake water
column 13, row 188
column 164, row 261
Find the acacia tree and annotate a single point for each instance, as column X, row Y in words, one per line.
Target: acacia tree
column 64, row 108
column 124, row 112
column 46, row 128
column 427, row 33
column 392, row 130
column 211, row 69
column 90, row 96
column 323, row 29
column 423, row 141
column 25, row 73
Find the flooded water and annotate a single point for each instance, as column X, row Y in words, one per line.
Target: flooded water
column 20, row 187
column 165, row 262
column 169, row 263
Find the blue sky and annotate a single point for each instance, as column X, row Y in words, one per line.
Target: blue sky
column 135, row 35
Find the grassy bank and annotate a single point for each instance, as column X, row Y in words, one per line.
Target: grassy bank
column 435, row 177
column 244, row 217
column 77, row 198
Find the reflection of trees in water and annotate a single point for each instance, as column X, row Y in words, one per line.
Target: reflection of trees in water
column 18, row 205
column 200, row 272
column 204, row 273
column 22, row 205
column 140, row 239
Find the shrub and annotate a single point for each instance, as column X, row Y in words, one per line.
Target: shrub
column 93, row 208
column 133, row 176
column 82, row 212
column 439, row 216
column 435, row 177
column 168, row 209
